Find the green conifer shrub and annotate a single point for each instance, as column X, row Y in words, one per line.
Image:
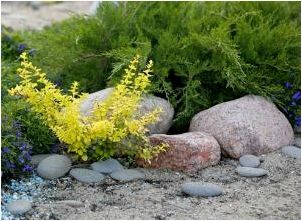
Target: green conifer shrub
column 205, row 53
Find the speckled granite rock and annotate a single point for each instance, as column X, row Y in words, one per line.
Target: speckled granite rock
column 248, row 125
column 186, row 152
column 147, row 104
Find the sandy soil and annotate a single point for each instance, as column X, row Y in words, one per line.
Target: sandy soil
column 275, row 196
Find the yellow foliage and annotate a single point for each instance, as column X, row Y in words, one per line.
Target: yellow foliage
column 114, row 125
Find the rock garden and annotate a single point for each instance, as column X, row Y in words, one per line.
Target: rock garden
column 129, row 113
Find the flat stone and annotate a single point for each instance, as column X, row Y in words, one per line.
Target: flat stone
column 297, row 142
column 249, row 161
column 54, row 166
column 36, row 159
column 86, row 175
column 107, row 166
column 127, row 175
column 250, row 172
column 201, row 189
column 292, row 151
column 19, row 206
column 72, row 203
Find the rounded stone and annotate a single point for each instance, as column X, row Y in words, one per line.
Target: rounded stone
column 201, row 189
column 249, row 161
column 54, row 166
column 108, row 166
column 292, row 151
column 251, row 172
column 19, row 206
column 36, row 159
column 86, row 175
column 127, row 175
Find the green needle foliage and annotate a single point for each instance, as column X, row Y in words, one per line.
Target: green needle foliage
column 205, row 53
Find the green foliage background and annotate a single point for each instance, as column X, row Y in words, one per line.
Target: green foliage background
column 205, row 53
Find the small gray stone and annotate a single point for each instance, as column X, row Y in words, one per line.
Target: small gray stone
column 297, row 142
column 86, row 175
column 72, row 203
column 201, row 189
column 250, row 172
column 292, row 151
column 249, row 161
column 107, row 166
column 127, row 175
column 19, row 206
column 54, row 166
column 36, row 159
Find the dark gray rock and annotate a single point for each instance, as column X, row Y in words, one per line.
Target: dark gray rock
column 251, row 172
column 249, row 161
column 107, row 166
column 127, row 175
column 292, row 151
column 201, row 189
column 54, row 166
column 19, row 206
column 36, row 159
column 86, row 175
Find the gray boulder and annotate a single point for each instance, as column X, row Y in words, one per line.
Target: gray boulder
column 148, row 104
column 87, row 176
column 248, row 125
column 54, row 166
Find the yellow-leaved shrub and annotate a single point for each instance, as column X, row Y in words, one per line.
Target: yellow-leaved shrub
column 114, row 125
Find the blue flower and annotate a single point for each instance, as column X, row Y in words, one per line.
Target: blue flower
column 288, row 85
column 27, row 168
column 23, row 146
column 5, row 150
column 21, row 159
column 298, row 121
column 21, row 48
column 297, row 96
column 18, row 133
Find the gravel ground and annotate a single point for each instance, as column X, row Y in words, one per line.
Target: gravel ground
column 26, row 15
column 275, row 196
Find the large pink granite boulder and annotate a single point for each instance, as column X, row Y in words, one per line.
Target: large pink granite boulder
column 187, row 152
column 248, row 125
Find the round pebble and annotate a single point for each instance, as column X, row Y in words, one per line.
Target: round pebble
column 127, row 175
column 250, row 171
column 201, row 189
column 297, row 142
column 36, row 159
column 54, row 166
column 86, row 175
column 249, row 161
column 19, row 206
column 107, row 166
column 292, row 151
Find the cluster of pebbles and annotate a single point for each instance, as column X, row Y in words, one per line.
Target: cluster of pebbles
column 17, row 197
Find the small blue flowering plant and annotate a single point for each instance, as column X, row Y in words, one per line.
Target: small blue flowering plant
column 15, row 149
column 293, row 107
